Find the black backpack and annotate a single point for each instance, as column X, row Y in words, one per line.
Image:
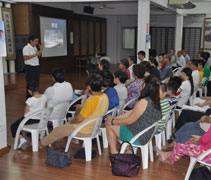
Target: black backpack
column 201, row 173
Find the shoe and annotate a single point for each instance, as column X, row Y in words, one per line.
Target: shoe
column 22, row 141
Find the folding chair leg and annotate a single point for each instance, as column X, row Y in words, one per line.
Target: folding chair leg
column 145, row 155
column 98, row 145
column 55, row 124
column 158, row 141
column 16, row 139
column 163, row 138
column 190, row 168
column 151, row 151
column 88, row 149
column 34, row 141
column 104, row 136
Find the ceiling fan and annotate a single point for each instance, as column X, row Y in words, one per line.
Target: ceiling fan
column 104, row 6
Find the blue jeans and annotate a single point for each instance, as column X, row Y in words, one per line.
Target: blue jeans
column 186, row 131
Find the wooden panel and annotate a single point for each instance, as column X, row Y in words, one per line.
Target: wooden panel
column 98, row 38
column 21, row 19
column 104, row 30
column 83, row 37
column 91, row 38
column 76, row 37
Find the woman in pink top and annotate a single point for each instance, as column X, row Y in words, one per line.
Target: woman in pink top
column 193, row 147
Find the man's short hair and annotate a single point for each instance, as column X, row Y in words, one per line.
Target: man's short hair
column 194, row 62
column 108, row 78
column 32, row 38
column 105, row 64
column 95, row 81
column 58, row 75
column 125, row 62
column 121, row 75
column 142, row 53
column 133, row 58
column 174, row 84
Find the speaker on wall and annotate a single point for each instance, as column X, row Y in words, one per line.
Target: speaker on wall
column 88, row 9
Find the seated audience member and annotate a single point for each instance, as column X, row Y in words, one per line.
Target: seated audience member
column 124, row 64
column 172, row 87
column 35, row 103
column 104, row 65
column 146, row 112
column 152, row 53
column 161, row 62
column 180, row 60
column 154, row 67
column 141, row 56
column 206, row 70
column 94, row 107
column 91, row 68
column 166, row 72
column 107, row 88
column 164, row 105
column 198, row 128
column 186, row 89
column 201, row 64
column 186, row 56
column 59, row 95
column 147, row 66
column 173, row 57
column 195, row 73
column 134, row 87
column 120, row 78
column 194, row 147
column 191, row 115
column 132, row 61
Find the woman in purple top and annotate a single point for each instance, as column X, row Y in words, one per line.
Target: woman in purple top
column 134, row 88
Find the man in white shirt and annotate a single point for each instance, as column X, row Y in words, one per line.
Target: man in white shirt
column 181, row 60
column 186, row 56
column 31, row 61
column 141, row 56
column 132, row 61
column 59, row 95
column 195, row 73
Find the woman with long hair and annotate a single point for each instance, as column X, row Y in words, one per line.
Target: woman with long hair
column 146, row 112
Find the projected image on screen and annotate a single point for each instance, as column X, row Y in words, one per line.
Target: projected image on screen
column 53, row 35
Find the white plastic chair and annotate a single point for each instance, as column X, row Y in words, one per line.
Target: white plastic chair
column 120, row 107
column 177, row 71
column 126, row 104
column 193, row 161
column 34, row 129
column 160, row 138
column 202, row 87
column 61, row 117
column 103, row 130
column 73, row 102
column 145, row 149
column 87, row 140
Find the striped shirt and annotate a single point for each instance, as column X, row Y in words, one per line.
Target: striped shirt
column 165, row 109
column 173, row 103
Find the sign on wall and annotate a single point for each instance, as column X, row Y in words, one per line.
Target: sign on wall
column 3, row 52
column 9, row 32
column 207, row 34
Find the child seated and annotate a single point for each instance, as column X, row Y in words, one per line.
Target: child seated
column 165, row 107
column 120, row 78
column 35, row 103
column 132, row 61
column 124, row 64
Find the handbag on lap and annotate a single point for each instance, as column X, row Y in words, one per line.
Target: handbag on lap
column 58, row 158
column 126, row 165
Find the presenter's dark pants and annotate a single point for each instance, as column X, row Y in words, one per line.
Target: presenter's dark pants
column 32, row 74
column 190, row 116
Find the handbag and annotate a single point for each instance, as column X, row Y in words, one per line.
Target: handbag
column 126, row 165
column 58, row 158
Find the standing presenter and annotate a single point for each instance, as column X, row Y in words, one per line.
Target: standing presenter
column 31, row 60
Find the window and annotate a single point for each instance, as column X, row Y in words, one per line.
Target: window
column 128, row 38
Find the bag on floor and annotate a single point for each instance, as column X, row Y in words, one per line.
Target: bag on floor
column 201, row 173
column 58, row 158
column 126, row 165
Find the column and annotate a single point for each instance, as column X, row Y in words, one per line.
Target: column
column 143, row 25
column 178, row 32
column 3, row 124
